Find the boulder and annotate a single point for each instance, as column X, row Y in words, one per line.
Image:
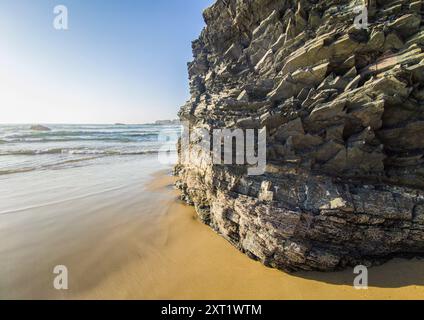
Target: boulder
column 39, row 127
column 343, row 110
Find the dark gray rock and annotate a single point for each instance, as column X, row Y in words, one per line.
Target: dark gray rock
column 345, row 118
column 39, row 128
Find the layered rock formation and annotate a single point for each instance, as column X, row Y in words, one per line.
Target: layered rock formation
column 344, row 112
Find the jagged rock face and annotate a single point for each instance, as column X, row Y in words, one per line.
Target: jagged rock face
column 344, row 112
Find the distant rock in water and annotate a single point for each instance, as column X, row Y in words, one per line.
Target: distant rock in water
column 168, row 122
column 343, row 105
column 39, row 128
column 119, row 124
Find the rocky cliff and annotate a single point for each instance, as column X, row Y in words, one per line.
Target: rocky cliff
column 344, row 112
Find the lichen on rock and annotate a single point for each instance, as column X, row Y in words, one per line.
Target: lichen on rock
column 344, row 113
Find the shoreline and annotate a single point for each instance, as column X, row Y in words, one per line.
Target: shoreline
column 392, row 280
column 206, row 266
column 141, row 242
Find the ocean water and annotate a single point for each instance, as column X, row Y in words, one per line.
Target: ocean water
column 24, row 150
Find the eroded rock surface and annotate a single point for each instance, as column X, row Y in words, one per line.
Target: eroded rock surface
column 344, row 112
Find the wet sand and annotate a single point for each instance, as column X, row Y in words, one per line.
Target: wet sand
column 195, row 263
column 138, row 241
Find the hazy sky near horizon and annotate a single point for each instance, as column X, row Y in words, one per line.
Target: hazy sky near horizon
column 120, row 60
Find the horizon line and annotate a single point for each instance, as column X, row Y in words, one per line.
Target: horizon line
column 83, row 123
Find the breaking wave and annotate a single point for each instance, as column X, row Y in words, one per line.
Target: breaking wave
column 23, row 150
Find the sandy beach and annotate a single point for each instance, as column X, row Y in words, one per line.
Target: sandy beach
column 294, row 127
column 127, row 236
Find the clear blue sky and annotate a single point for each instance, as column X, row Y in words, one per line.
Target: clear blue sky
column 120, row 60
